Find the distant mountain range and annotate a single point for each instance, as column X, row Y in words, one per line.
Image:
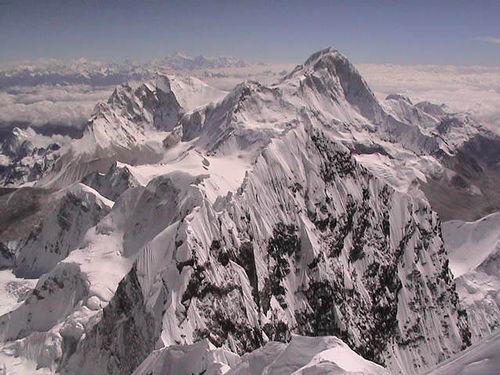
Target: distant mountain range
column 95, row 73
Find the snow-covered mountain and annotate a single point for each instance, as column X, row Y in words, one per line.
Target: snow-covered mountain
column 181, row 61
column 96, row 73
column 80, row 71
column 25, row 155
column 191, row 222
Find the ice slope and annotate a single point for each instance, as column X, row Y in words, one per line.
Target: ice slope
column 199, row 358
column 254, row 223
column 474, row 251
column 482, row 358
column 316, row 356
column 193, row 93
column 470, row 243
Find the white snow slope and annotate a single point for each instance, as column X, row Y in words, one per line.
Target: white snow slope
column 482, row 358
column 470, row 243
column 474, row 251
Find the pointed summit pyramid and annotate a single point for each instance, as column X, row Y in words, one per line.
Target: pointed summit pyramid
column 330, row 72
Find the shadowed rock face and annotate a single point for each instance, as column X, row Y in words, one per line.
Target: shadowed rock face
column 59, row 232
column 124, row 336
column 7, row 257
column 30, row 155
column 22, row 209
column 473, row 191
column 113, row 183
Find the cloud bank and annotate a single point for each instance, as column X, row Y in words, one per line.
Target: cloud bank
column 474, row 89
column 60, row 105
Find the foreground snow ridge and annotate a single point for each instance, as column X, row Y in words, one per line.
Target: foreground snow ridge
column 303, row 355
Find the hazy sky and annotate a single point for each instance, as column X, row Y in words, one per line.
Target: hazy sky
column 404, row 32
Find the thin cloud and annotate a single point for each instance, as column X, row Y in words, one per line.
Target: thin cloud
column 59, row 105
column 488, row 39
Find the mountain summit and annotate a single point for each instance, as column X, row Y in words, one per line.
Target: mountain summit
column 331, row 74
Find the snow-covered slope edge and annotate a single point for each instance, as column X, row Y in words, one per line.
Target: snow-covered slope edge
column 474, row 250
column 483, row 358
column 303, row 355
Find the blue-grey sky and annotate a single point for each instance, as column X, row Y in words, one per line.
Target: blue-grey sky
column 384, row 31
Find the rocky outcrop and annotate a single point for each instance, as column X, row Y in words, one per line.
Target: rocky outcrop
column 77, row 209
column 112, row 184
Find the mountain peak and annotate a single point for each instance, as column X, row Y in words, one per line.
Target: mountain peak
column 329, row 73
column 328, row 52
column 179, row 54
column 329, row 60
column 399, row 97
